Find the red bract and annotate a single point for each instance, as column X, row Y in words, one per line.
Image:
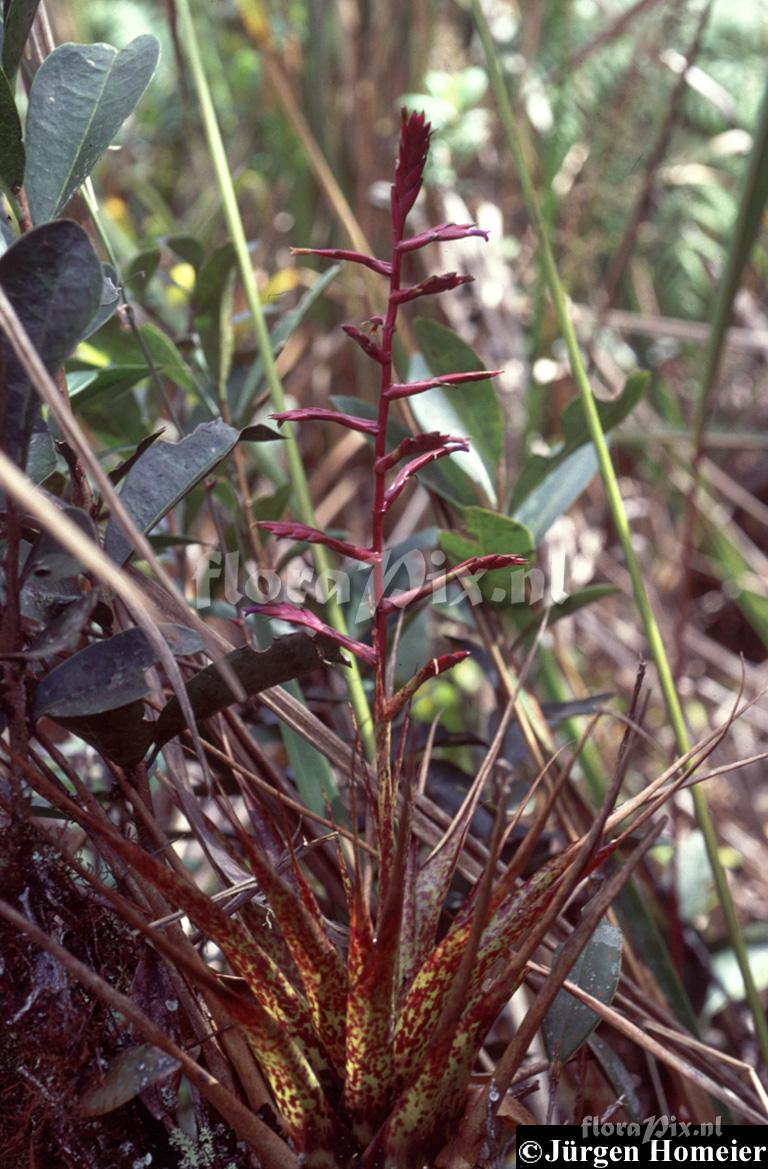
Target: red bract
column 442, row 234
column 282, row 611
column 408, row 389
column 467, row 568
column 366, row 343
column 293, row 531
column 432, row 285
column 371, row 262
column 405, row 473
column 414, row 444
column 432, row 669
column 318, row 414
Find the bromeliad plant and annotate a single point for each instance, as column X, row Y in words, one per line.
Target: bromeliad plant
column 369, row 1053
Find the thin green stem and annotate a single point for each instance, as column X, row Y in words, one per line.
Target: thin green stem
column 236, row 229
column 619, row 515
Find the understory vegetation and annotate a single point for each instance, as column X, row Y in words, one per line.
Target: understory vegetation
column 384, row 630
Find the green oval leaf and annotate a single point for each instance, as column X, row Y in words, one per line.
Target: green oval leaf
column 491, row 532
column 53, row 279
column 561, row 486
column 537, row 468
column 128, row 1074
column 80, row 97
column 107, row 674
column 569, row 1022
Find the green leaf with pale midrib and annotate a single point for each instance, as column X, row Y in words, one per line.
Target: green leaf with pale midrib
column 79, row 99
column 468, row 411
column 569, row 1022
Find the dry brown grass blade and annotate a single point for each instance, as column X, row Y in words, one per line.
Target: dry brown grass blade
column 475, row 1119
column 272, row 1151
column 666, row 784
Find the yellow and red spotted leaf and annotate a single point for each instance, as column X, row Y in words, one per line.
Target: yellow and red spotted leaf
column 317, row 960
column 369, row 1078
column 283, row 1010
column 424, row 1001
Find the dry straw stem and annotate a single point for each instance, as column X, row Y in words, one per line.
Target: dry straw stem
column 272, row 1151
column 475, row 1122
column 665, row 785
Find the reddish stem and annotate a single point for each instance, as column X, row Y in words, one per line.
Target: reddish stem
column 379, row 505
